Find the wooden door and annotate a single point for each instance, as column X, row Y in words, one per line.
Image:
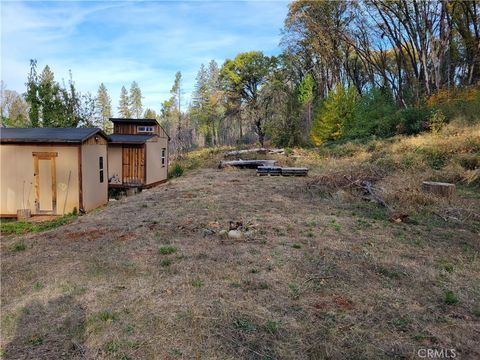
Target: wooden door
column 45, row 173
column 133, row 165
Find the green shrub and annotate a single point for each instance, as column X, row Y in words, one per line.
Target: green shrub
column 165, row 250
column 19, row 246
column 334, row 112
column 244, row 325
column 450, row 298
column 412, row 120
column 111, row 346
column 176, row 171
column 437, row 122
column 197, row 283
column 374, row 115
column 166, row 262
column 272, row 326
column 107, row 315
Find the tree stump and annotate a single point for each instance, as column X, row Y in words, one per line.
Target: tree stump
column 438, row 188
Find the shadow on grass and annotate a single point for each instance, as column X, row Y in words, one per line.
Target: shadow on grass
column 52, row 331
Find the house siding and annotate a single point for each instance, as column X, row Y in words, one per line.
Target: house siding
column 18, row 181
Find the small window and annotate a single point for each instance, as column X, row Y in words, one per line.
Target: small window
column 163, row 156
column 145, row 129
column 100, row 166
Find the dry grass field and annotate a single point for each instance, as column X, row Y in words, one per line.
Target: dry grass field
column 321, row 274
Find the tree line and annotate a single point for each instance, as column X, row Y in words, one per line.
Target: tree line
column 348, row 69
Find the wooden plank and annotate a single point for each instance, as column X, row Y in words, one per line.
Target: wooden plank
column 80, row 182
column 253, row 164
column 54, row 184
column 37, row 182
column 44, row 155
column 144, row 163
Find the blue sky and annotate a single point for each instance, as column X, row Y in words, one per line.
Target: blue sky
column 117, row 42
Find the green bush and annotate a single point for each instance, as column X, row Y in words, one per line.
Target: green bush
column 166, row 250
column 451, row 298
column 437, row 122
column 374, row 115
column 334, row 112
column 412, row 120
column 176, row 171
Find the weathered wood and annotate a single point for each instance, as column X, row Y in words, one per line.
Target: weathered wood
column 36, row 174
column 269, row 170
column 368, row 186
column 438, row 188
column 251, row 164
column 256, row 150
column 285, row 171
column 294, row 171
column 245, row 151
column 133, row 164
column 44, row 155
column 53, row 165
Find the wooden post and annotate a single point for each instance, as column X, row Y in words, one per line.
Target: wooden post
column 438, row 188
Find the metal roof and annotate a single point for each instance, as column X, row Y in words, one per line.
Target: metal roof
column 47, row 135
column 129, row 139
column 135, row 121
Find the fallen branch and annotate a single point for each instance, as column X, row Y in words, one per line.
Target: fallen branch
column 368, row 186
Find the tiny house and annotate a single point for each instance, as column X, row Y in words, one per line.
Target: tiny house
column 52, row 170
column 137, row 153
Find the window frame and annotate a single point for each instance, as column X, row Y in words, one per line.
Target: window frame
column 100, row 170
column 145, row 129
column 164, row 153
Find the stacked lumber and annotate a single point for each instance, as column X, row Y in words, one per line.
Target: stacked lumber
column 294, row 171
column 269, row 170
column 277, row 170
column 250, row 164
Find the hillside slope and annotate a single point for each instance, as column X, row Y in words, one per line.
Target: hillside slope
column 319, row 276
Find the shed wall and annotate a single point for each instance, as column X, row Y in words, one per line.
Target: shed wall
column 155, row 171
column 95, row 193
column 17, row 177
column 115, row 164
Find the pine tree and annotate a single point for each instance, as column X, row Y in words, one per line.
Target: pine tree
column 104, row 109
column 305, row 98
column 336, row 111
column 213, row 76
column 150, row 114
column 54, row 101
column 123, row 106
column 136, row 108
column 177, row 93
column 31, row 96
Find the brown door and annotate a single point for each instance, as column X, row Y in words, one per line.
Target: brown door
column 45, row 173
column 133, row 165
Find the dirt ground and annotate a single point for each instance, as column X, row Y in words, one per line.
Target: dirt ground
column 148, row 277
